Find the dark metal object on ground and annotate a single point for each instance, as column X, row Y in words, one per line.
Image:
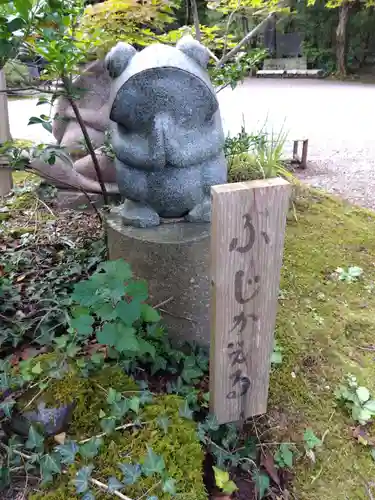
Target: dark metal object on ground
column 301, row 161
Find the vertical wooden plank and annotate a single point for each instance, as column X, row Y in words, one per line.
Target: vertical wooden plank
column 6, row 180
column 247, row 239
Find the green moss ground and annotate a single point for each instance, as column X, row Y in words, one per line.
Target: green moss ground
column 180, row 447
column 321, row 326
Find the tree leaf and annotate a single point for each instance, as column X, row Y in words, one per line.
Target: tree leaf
column 276, row 358
column 153, row 463
column 68, row 452
column 363, row 394
column 169, row 486
column 211, row 423
column 35, row 440
column 81, row 480
column 284, row 456
column 37, row 368
column 114, row 484
column 149, row 314
column 131, row 473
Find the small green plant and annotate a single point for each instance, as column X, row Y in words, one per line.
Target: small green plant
column 311, row 443
column 349, row 275
column 357, row 400
column 277, row 356
column 284, row 456
column 223, row 481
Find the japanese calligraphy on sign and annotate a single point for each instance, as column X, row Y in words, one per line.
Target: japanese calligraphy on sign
column 248, row 225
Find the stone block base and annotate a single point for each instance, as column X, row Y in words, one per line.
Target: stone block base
column 174, row 258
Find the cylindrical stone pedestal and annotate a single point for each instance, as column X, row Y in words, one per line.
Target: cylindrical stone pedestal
column 174, row 259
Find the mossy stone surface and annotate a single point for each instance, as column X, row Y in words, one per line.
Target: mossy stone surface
column 179, row 447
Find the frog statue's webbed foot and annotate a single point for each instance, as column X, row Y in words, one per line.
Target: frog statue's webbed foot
column 201, row 212
column 137, row 214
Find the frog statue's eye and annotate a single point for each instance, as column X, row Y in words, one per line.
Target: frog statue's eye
column 118, row 58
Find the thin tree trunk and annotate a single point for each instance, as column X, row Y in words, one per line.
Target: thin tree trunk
column 88, row 142
column 341, row 38
column 194, row 9
column 6, row 180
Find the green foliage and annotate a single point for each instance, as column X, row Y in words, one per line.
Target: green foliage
column 16, row 74
column 311, row 440
column 223, row 482
column 255, row 156
column 277, row 356
column 106, row 23
column 350, row 275
column 357, row 399
column 284, row 456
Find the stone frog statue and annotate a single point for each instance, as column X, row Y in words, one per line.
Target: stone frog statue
column 166, row 132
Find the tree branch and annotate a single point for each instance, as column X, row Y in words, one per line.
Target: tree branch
column 87, row 141
column 198, row 34
column 245, row 40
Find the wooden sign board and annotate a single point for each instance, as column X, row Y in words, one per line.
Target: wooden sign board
column 247, row 240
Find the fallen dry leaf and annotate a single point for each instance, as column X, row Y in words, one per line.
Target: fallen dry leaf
column 362, row 436
column 268, row 463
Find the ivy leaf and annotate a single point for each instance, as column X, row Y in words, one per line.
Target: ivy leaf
column 68, row 452
column 149, row 314
column 169, row 486
column 146, row 348
column 7, row 406
column 310, row 439
column 81, row 480
column 91, row 448
column 153, row 464
column 50, row 464
column 191, row 371
column 89, row 495
column 37, row 368
column 131, row 473
column 211, row 423
column 185, row 411
column 114, row 484
column 146, row 397
column 163, row 423
column 113, row 396
column 35, row 440
column 134, row 404
column 221, row 477
column 262, row 483
column 120, row 408
column 108, row 425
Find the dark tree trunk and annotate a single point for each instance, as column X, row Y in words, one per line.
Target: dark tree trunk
column 341, row 38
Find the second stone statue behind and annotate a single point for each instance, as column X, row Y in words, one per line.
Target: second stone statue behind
column 166, row 132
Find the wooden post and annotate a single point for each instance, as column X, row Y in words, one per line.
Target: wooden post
column 6, row 180
column 247, row 239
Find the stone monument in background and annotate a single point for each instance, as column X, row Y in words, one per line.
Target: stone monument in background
column 168, row 141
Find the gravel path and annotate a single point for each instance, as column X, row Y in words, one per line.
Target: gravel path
column 336, row 117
